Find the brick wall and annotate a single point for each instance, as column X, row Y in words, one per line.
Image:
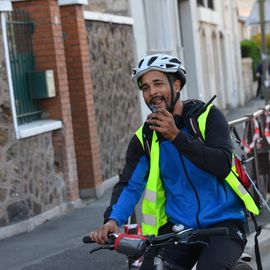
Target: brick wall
column 81, row 96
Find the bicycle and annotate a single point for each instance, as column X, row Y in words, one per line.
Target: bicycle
column 134, row 246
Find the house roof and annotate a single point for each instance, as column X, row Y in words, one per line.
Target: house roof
column 254, row 17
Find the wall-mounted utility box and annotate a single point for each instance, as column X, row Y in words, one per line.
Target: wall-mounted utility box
column 41, row 84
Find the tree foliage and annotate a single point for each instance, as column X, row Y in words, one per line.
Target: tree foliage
column 257, row 39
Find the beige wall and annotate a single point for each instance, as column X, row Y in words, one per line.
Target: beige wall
column 117, row 7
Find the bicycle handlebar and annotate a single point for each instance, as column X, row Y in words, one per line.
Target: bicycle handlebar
column 134, row 245
column 212, row 231
column 87, row 240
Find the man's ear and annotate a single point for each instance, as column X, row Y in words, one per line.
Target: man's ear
column 177, row 85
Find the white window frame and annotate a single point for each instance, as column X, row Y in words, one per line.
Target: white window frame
column 72, row 2
column 5, row 5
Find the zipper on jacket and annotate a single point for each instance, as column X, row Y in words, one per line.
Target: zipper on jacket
column 194, row 189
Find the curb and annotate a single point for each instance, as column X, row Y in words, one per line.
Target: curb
column 31, row 223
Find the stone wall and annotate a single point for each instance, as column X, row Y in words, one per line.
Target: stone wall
column 115, row 97
column 248, row 84
column 29, row 182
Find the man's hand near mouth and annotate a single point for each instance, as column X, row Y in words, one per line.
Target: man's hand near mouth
column 162, row 121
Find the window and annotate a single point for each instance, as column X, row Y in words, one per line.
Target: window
column 19, row 33
column 210, row 4
column 200, row 3
column 206, row 3
column 157, row 16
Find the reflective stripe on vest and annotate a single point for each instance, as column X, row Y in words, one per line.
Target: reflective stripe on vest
column 242, row 192
column 153, row 204
column 231, row 179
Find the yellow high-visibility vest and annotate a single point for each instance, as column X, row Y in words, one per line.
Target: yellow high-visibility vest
column 231, row 179
column 153, row 204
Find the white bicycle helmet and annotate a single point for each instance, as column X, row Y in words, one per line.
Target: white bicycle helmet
column 161, row 62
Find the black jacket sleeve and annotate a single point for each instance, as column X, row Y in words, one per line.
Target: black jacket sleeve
column 215, row 153
column 134, row 153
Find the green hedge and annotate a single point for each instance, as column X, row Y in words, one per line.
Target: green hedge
column 250, row 49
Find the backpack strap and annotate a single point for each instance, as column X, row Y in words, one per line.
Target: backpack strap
column 204, row 108
column 258, row 230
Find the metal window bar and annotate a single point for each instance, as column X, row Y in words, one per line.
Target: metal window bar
column 20, row 29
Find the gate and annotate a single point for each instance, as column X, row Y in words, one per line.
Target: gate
column 19, row 33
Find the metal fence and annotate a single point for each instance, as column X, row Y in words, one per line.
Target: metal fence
column 253, row 144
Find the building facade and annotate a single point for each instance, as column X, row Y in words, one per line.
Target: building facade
column 68, row 107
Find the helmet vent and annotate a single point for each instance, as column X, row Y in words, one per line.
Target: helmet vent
column 151, row 60
column 170, row 65
column 175, row 60
column 140, row 63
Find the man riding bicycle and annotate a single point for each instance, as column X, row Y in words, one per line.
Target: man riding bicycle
column 182, row 174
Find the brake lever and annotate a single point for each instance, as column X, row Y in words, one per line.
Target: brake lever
column 101, row 247
column 198, row 242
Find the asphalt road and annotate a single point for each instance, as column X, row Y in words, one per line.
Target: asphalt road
column 79, row 258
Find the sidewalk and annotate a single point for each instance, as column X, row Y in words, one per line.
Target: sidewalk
column 65, row 232
column 251, row 107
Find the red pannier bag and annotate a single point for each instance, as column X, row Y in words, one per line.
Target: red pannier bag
column 241, row 173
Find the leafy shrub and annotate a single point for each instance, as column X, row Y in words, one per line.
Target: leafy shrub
column 250, row 49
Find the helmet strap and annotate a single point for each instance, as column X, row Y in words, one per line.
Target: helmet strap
column 174, row 98
column 177, row 96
